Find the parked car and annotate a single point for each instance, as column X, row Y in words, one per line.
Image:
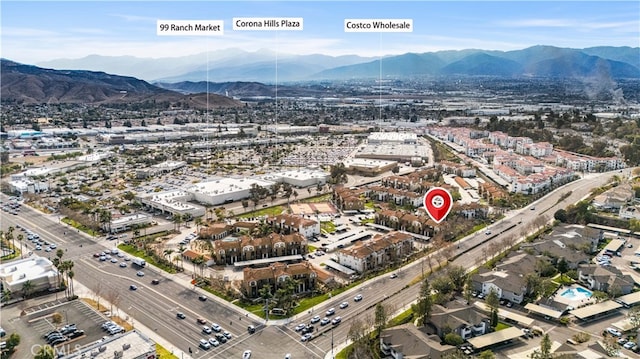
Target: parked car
column 614, row 332
column 181, row 315
column 251, row 329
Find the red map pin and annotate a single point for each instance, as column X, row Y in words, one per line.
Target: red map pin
column 438, row 203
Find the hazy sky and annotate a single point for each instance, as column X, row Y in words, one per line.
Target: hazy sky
column 39, row 31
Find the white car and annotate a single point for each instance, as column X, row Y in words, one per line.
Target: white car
column 246, row 354
column 331, row 311
column 315, row 319
column 357, row 298
column 614, row 332
column 344, row 305
column 216, row 328
column 300, row 326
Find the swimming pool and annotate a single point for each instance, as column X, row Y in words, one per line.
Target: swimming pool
column 577, row 293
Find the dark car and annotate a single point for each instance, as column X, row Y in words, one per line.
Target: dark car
column 202, row 298
column 221, row 338
column 58, row 341
column 77, row 333
column 181, row 315
column 51, row 333
column 251, row 329
column 155, row 281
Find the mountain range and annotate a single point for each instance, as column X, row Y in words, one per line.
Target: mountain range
column 260, row 66
column 31, row 84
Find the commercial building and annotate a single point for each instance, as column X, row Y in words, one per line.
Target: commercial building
column 225, row 190
column 160, row 168
column 301, row 178
column 130, row 345
column 172, row 202
column 368, row 166
column 38, row 271
column 125, row 223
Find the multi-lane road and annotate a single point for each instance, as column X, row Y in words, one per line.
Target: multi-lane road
column 155, row 306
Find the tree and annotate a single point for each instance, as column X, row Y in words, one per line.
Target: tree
column 56, row 318
column 487, row 354
column 456, row 354
column 453, row 339
column 13, row 341
column 545, row 349
column 423, row 307
column 20, row 237
column 458, row 276
column 45, row 352
column 266, row 295
column 6, row 295
column 563, row 267
column 634, row 319
column 493, row 303
column 561, row 215
column 380, row 318
column 27, row 287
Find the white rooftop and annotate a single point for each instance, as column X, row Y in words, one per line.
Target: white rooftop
column 173, row 199
column 169, row 164
column 29, row 269
column 228, row 185
column 393, row 136
column 97, row 156
column 133, row 217
column 136, row 344
column 365, row 162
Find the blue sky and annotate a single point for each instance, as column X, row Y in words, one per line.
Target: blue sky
column 39, row 31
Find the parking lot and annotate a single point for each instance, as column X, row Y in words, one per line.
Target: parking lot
column 38, row 321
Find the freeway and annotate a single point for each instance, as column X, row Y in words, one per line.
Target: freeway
column 155, row 306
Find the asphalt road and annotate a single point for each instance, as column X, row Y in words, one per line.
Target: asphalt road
column 155, row 306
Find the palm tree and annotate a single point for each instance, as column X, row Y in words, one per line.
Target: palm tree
column 177, row 219
column 27, row 287
column 71, row 274
column 197, row 261
column 105, row 217
column 68, row 266
column 9, row 237
column 20, row 238
column 198, row 222
column 6, row 296
column 167, row 253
